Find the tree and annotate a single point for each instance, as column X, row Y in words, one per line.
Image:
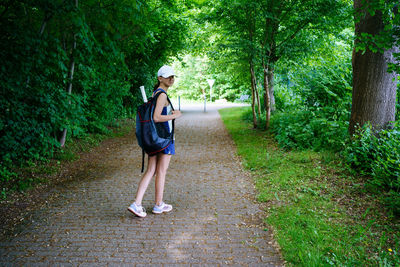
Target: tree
column 261, row 34
column 251, row 29
column 374, row 87
column 50, row 46
column 285, row 29
column 71, row 77
column 237, row 22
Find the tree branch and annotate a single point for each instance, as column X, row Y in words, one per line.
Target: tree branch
column 7, row 5
column 288, row 11
column 293, row 35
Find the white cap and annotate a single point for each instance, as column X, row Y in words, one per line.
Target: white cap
column 165, row 71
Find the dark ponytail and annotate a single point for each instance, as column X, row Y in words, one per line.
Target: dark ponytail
column 156, row 85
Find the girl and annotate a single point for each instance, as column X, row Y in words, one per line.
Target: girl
column 158, row 164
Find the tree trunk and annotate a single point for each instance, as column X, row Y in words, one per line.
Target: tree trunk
column 258, row 99
column 253, row 93
column 71, row 77
column 251, row 30
column 266, row 97
column 271, row 88
column 44, row 23
column 374, row 89
column 271, row 29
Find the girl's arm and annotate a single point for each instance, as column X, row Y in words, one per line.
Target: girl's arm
column 161, row 102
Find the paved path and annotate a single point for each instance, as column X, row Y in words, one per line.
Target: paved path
column 214, row 222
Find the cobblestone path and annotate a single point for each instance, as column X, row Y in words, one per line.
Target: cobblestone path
column 215, row 220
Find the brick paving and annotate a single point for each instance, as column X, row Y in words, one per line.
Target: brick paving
column 215, row 220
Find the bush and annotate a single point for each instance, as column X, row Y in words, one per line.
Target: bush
column 313, row 105
column 386, row 166
column 328, row 84
column 6, row 175
column 377, row 155
column 317, row 129
column 285, row 99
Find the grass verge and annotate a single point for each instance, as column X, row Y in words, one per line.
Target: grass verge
column 320, row 214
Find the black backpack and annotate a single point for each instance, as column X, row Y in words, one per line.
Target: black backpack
column 152, row 137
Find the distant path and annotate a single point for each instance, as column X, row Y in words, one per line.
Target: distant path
column 215, row 220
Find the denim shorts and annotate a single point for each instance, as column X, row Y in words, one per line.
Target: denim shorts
column 170, row 150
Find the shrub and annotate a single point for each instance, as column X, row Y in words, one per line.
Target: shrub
column 360, row 152
column 377, row 155
column 327, row 84
column 285, row 98
column 386, row 167
column 317, row 129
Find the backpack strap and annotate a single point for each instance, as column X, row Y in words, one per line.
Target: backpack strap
column 142, row 160
column 158, row 92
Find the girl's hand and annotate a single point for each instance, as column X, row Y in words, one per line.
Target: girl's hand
column 176, row 113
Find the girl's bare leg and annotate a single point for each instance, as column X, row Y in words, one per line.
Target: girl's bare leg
column 144, row 182
column 161, row 170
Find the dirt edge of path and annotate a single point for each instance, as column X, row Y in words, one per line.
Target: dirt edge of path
column 18, row 208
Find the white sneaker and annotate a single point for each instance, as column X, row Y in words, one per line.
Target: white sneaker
column 162, row 208
column 137, row 210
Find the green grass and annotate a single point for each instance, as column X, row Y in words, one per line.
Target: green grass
column 305, row 192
